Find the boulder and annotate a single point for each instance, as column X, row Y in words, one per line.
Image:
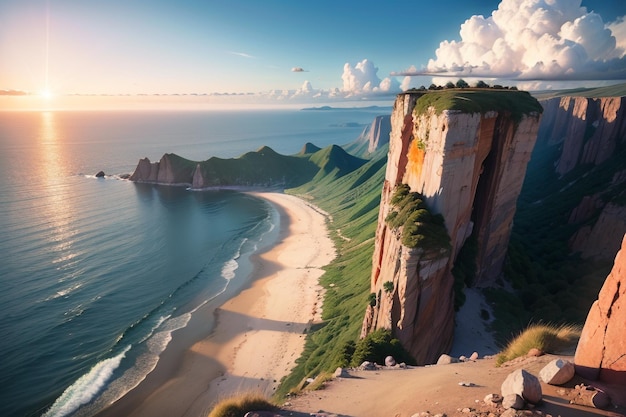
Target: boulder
column 557, row 372
column 100, row 174
column 524, row 384
column 367, row 366
column 341, row 373
column 474, row 356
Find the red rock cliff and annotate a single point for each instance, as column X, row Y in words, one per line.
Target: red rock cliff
column 589, row 132
column 601, row 351
column 589, row 129
column 469, row 167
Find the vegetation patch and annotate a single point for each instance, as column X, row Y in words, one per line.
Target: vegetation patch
column 545, row 337
column 375, row 347
column 420, row 228
column 240, row 404
column 479, row 100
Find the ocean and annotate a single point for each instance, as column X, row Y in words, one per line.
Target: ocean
column 98, row 273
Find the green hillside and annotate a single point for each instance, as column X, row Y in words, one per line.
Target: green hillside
column 352, row 202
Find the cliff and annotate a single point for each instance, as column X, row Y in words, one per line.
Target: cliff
column 588, row 129
column 465, row 152
column 373, row 137
column 589, row 136
column 601, row 351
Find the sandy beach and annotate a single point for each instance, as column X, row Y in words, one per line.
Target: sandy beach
column 257, row 335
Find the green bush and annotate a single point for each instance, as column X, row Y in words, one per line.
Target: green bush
column 420, row 228
column 376, row 346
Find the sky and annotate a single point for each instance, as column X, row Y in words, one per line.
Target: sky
column 293, row 52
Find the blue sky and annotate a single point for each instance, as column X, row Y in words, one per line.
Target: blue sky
column 297, row 49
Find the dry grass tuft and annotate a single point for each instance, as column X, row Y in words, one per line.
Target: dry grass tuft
column 548, row 338
column 240, row 404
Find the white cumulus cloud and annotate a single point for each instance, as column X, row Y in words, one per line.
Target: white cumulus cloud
column 363, row 78
column 535, row 39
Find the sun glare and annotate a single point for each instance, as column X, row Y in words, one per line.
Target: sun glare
column 47, row 94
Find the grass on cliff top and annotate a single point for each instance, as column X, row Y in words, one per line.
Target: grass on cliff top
column 478, row 100
column 547, row 338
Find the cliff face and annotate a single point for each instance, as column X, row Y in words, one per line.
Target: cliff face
column 469, row 166
column 589, row 129
column 589, row 133
column 601, row 351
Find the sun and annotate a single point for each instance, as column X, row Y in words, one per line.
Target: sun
column 47, row 94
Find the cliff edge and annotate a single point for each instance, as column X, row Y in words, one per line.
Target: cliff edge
column 464, row 153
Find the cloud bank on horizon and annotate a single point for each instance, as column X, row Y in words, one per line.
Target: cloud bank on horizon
column 534, row 40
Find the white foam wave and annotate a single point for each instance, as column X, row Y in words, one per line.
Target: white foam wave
column 161, row 339
column 229, row 268
column 144, row 364
column 86, row 387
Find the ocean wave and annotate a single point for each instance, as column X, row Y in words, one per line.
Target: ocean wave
column 86, row 387
column 144, row 364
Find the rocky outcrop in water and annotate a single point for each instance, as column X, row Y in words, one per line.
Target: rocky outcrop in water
column 601, row 351
column 469, row 166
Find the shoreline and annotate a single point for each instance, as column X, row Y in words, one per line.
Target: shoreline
column 256, row 335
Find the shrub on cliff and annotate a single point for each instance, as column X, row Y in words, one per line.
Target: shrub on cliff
column 420, row 228
column 376, row 346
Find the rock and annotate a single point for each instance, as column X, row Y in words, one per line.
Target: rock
column 601, row 351
column 341, row 373
column 492, row 399
column 557, row 372
column 511, row 412
column 513, row 401
column 474, row 356
column 534, row 352
column 590, row 397
column 524, row 384
column 100, row 174
column 390, row 361
column 463, row 358
column 446, row 359
column 367, row 366
column 261, row 414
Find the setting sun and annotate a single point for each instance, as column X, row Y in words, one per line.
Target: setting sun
column 47, row 94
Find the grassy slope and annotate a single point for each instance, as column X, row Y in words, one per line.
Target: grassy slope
column 353, row 202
